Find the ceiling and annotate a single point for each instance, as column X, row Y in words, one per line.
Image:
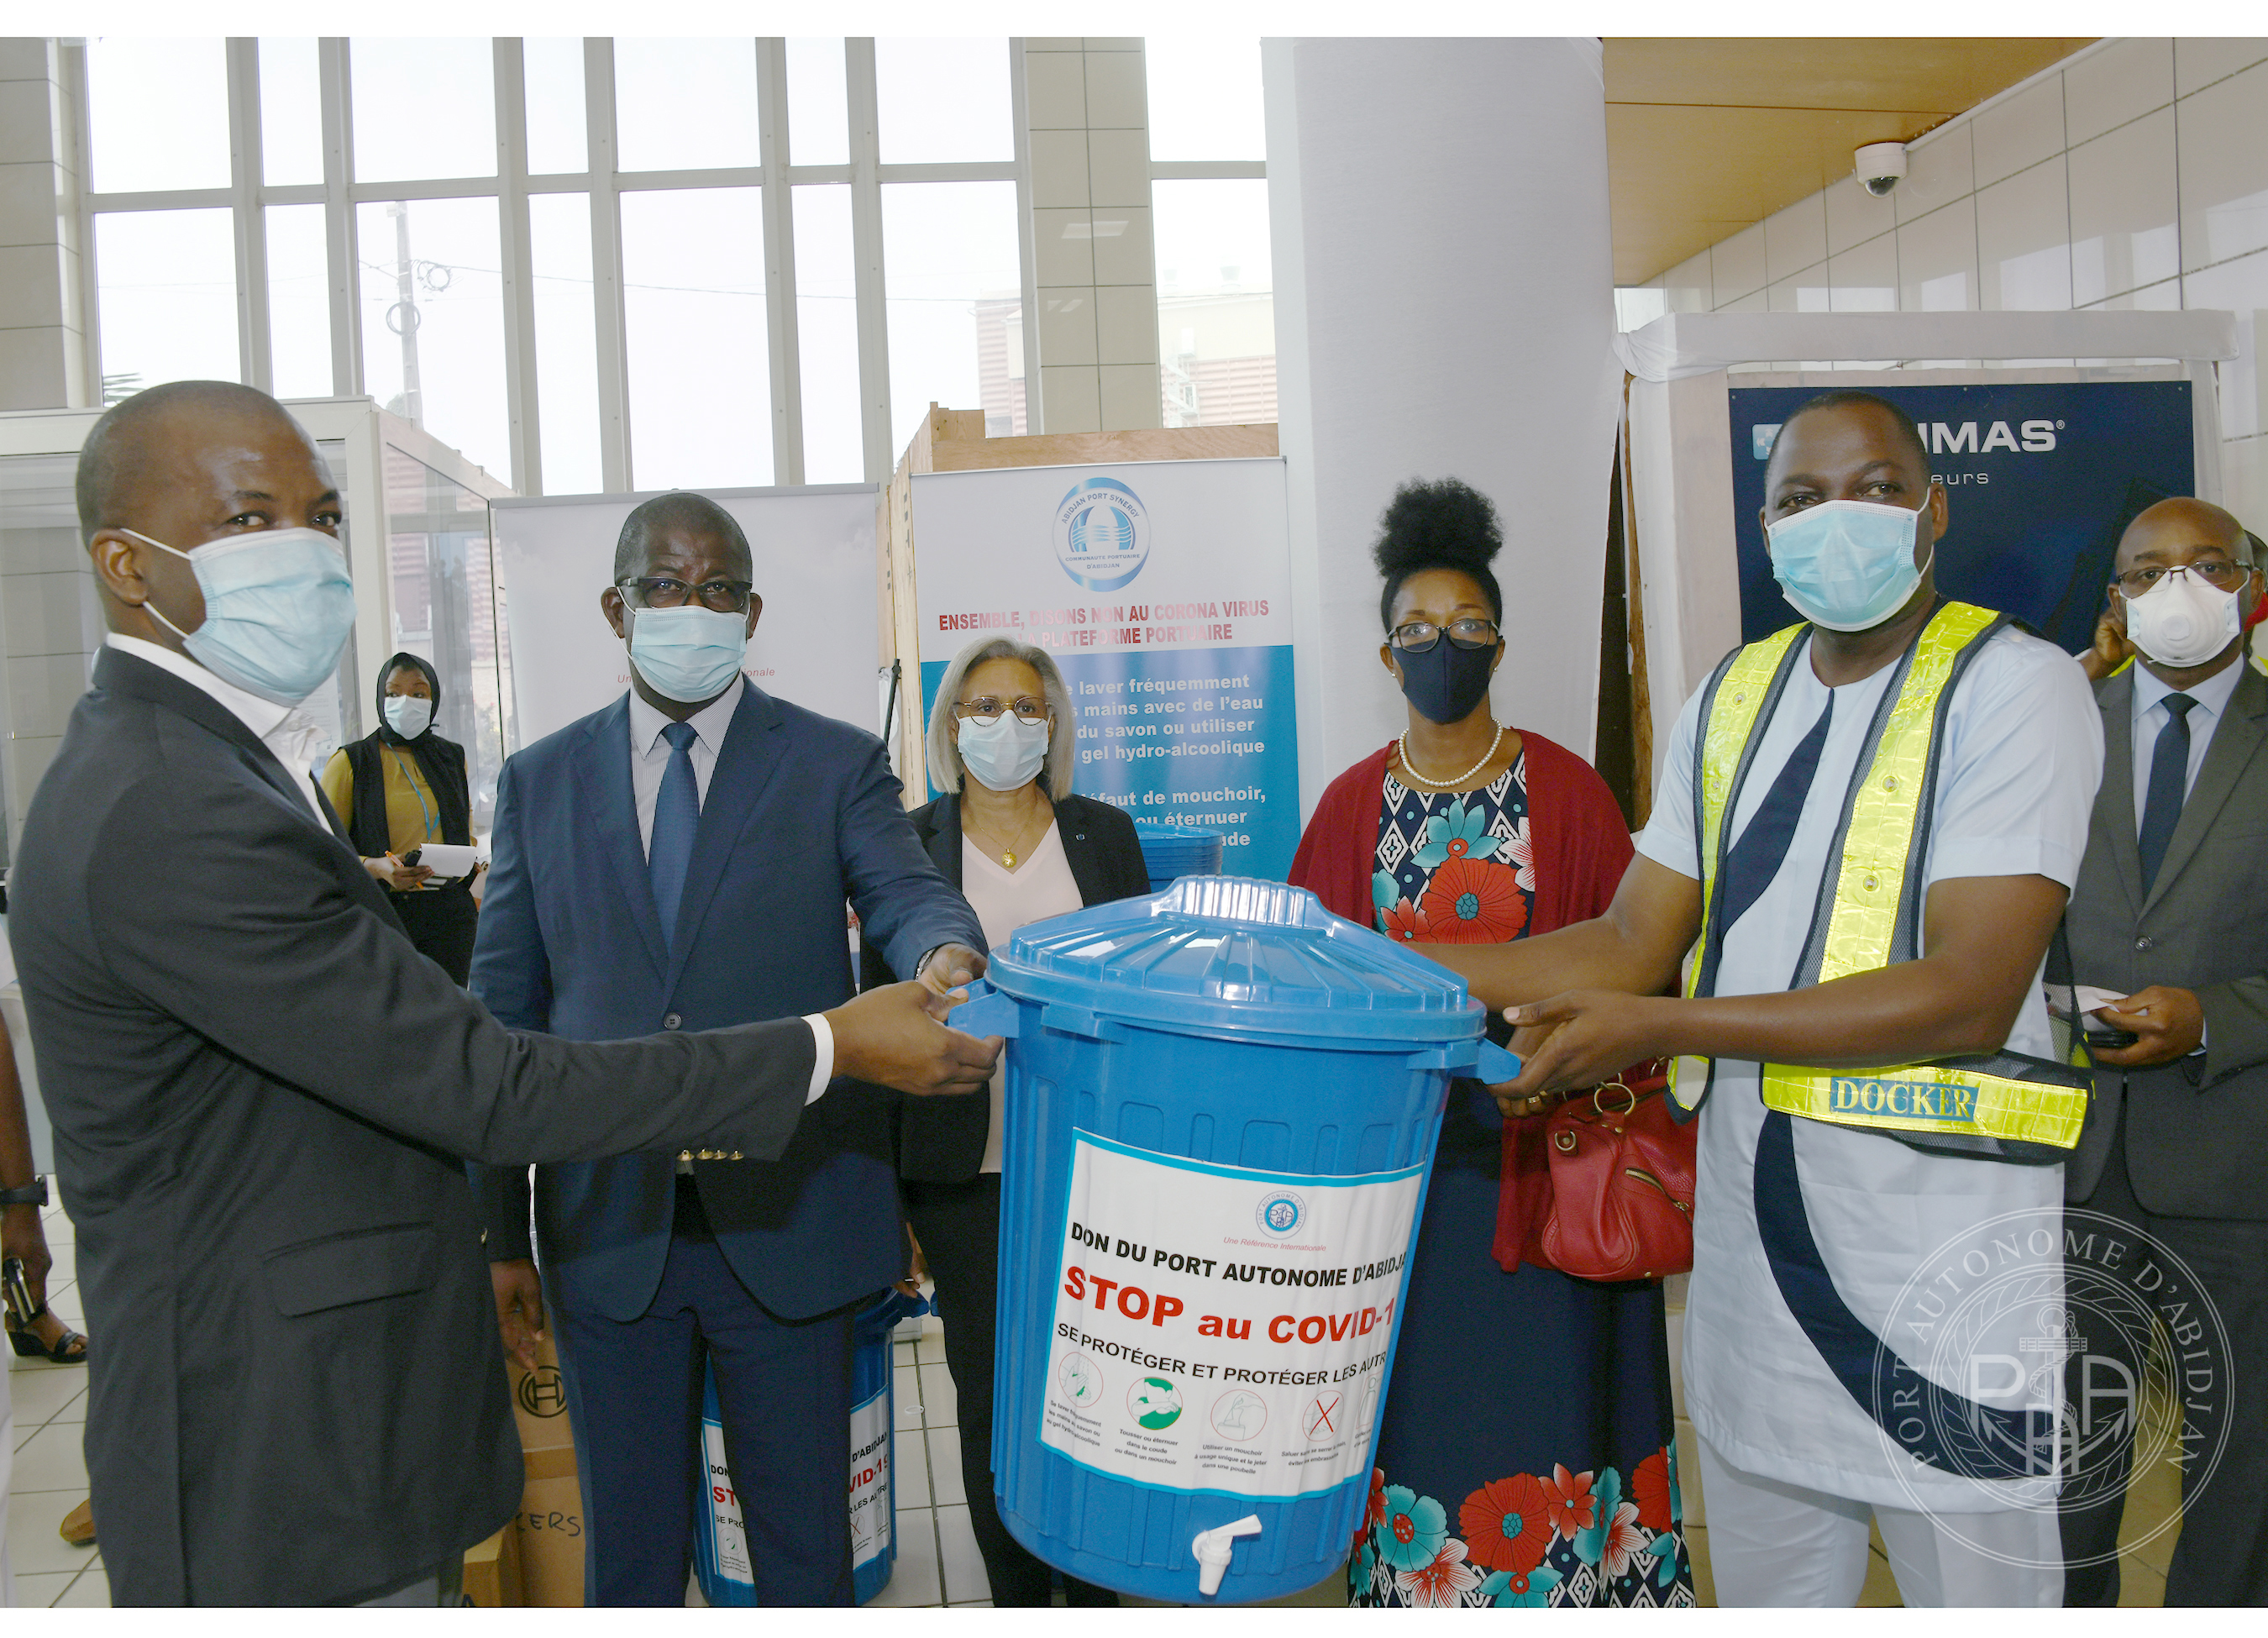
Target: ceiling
column 1707, row 136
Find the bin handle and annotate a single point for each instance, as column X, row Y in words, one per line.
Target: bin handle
column 1212, row 1549
column 987, row 1011
column 1496, row 1066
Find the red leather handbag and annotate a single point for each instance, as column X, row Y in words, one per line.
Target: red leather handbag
column 1601, row 1188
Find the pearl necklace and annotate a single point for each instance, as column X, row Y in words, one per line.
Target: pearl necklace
column 1454, row 780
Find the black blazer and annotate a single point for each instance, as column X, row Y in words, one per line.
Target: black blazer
column 942, row 1140
column 260, row 1091
column 2196, row 1128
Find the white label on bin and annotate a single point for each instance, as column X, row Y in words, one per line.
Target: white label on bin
column 870, row 1479
column 1218, row 1328
column 870, row 1492
column 726, row 1534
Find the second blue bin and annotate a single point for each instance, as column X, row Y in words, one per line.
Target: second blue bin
column 1222, row 1104
column 1171, row 852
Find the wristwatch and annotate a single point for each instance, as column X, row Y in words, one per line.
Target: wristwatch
column 33, row 1194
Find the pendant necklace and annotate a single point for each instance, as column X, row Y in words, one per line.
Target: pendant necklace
column 1008, row 854
column 1454, row 780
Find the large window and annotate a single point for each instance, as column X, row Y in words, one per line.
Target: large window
column 630, row 263
column 1209, row 201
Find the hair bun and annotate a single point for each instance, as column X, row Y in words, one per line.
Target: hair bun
column 1444, row 524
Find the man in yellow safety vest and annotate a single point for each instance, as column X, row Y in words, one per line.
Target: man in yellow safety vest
column 1865, row 830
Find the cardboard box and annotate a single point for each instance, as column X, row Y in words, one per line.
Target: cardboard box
column 492, row 1576
column 548, row 1527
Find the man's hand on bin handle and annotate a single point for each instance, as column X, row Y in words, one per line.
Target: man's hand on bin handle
column 891, row 1036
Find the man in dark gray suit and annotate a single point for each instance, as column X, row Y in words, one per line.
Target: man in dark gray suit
column 260, row 1091
column 2171, row 914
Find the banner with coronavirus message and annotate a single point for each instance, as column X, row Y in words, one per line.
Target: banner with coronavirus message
column 1160, row 589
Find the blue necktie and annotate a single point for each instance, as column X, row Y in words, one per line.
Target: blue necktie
column 1755, row 858
column 676, row 817
column 2170, row 783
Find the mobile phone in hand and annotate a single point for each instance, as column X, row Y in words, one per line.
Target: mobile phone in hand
column 16, row 1292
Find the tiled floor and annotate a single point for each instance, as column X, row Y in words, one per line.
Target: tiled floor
column 50, row 1413
column 938, row 1561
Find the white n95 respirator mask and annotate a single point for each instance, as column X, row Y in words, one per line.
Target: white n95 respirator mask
column 2181, row 621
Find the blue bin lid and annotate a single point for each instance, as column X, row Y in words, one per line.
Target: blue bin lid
column 1232, row 953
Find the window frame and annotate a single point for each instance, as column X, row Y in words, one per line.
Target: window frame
column 248, row 196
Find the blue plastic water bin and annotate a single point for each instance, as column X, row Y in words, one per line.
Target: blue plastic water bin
column 720, row 1553
column 1226, row 1036
column 1171, row 852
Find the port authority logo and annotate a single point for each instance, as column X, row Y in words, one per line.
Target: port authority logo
column 1280, row 1212
column 2050, row 1351
column 1101, row 534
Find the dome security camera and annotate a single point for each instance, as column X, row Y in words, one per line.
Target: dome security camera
column 1878, row 165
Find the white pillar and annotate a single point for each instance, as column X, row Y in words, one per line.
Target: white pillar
column 1443, row 309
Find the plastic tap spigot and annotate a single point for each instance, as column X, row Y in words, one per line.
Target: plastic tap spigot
column 1213, row 1547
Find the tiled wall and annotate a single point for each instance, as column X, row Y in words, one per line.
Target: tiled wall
column 1089, row 107
column 42, row 340
column 2135, row 174
column 50, row 630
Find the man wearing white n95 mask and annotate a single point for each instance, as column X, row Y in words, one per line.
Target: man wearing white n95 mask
column 2170, row 918
column 681, row 858
column 1864, row 829
column 258, row 1085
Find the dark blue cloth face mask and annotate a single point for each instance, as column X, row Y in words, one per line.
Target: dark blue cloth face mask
column 1446, row 682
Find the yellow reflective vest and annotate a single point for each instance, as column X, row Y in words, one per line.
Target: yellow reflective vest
column 1997, row 1106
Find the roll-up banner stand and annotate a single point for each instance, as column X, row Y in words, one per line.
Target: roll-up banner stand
column 813, row 559
column 2045, row 459
column 1161, row 589
column 2041, row 477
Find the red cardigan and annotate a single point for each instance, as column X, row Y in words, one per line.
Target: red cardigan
column 1581, row 847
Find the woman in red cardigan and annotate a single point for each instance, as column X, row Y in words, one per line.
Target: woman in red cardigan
column 1526, row 1456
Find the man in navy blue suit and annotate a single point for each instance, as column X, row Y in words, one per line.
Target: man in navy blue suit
column 681, row 859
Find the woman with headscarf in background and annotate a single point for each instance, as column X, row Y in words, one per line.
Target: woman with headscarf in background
column 400, row 787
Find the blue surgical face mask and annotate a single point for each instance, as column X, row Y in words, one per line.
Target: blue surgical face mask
column 279, row 607
column 1006, row 754
column 1848, row 564
column 687, row 654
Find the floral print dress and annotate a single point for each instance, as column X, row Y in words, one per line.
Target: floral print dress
column 1527, row 1454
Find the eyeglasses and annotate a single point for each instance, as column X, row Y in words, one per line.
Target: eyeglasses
column 660, row 592
column 1420, row 635
column 2222, row 576
column 1029, row 711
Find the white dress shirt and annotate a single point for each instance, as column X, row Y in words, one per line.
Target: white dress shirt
column 2016, row 783
column 294, row 736
column 2151, row 716
column 649, row 761
column 650, row 751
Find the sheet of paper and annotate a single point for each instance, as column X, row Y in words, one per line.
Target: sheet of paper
column 446, row 860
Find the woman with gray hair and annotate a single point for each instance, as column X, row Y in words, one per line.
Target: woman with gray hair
column 1010, row 834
